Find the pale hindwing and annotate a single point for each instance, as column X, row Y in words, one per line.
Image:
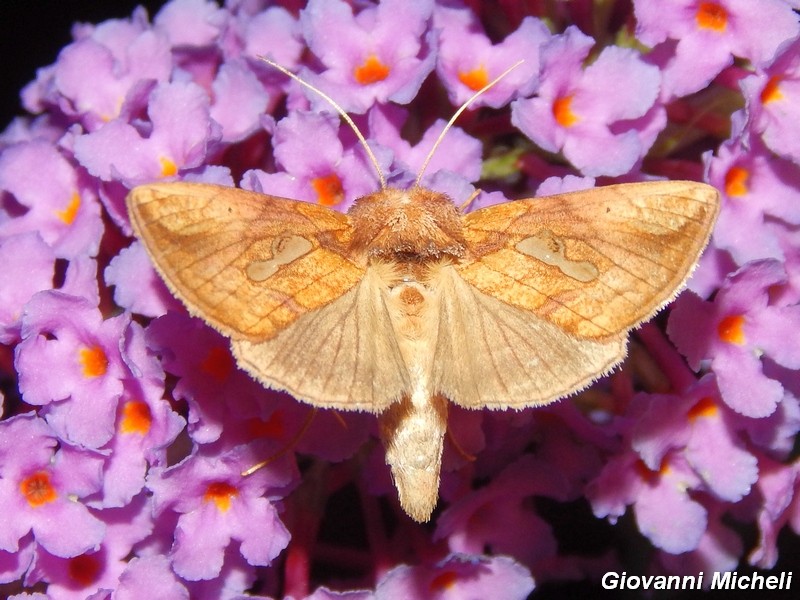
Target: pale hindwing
column 247, row 263
column 594, row 263
column 343, row 355
column 495, row 355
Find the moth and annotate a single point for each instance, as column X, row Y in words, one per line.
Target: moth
column 405, row 304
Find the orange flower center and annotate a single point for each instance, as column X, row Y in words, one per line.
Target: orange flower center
column 731, row 330
column 136, row 417
column 476, row 79
column 37, row 489
column 68, row 214
column 94, row 361
column 736, row 180
column 705, row 407
column 648, row 474
column 372, row 71
column 168, row 167
column 328, row 189
column 221, row 494
column 772, row 90
column 562, row 111
column 711, row 15
column 444, row 581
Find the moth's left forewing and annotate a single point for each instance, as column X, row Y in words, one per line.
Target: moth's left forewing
column 277, row 276
column 597, row 262
column 249, row 264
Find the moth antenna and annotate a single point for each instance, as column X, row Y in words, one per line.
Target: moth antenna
column 469, row 201
column 341, row 112
column 457, row 114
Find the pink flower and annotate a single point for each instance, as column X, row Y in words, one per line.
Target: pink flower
column 589, row 114
column 66, row 337
column 42, row 488
column 468, row 60
column 217, row 505
column 703, row 36
column 733, row 331
column 382, row 54
column 772, row 96
column 458, row 576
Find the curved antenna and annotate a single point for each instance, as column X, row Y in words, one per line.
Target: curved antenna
column 339, row 109
column 458, row 114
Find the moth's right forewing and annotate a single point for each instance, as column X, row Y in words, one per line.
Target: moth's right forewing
column 247, row 263
column 597, row 262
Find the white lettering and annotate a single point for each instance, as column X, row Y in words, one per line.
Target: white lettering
column 690, row 582
column 610, row 580
column 758, row 580
column 721, row 581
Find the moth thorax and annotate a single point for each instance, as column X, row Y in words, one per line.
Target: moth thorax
column 416, row 224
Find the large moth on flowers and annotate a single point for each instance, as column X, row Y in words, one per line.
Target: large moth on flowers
column 405, row 304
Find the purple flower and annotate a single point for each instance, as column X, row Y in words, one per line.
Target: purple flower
column 772, row 97
column 665, row 511
column 458, row 153
column 150, row 576
column 216, row 505
column 380, row 55
column 41, row 488
column 708, row 434
column 468, row 60
column 54, row 199
column 98, row 569
column 458, row 576
column 701, row 37
column 778, row 489
column 137, row 287
column 735, row 330
column 239, row 101
column 589, row 114
column 20, row 280
column 124, row 56
column 66, row 337
column 331, row 176
column 757, row 190
column 207, row 377
column 179, row 135
column 719, row 549
column 145, row 424
column 191, row 22
column 273, row 33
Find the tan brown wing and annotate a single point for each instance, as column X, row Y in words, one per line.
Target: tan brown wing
column 247, row 263
column 494, row 355
column 594, row 263
column 344, row 355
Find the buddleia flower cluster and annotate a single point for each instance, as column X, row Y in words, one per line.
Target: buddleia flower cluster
column 127, row 427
